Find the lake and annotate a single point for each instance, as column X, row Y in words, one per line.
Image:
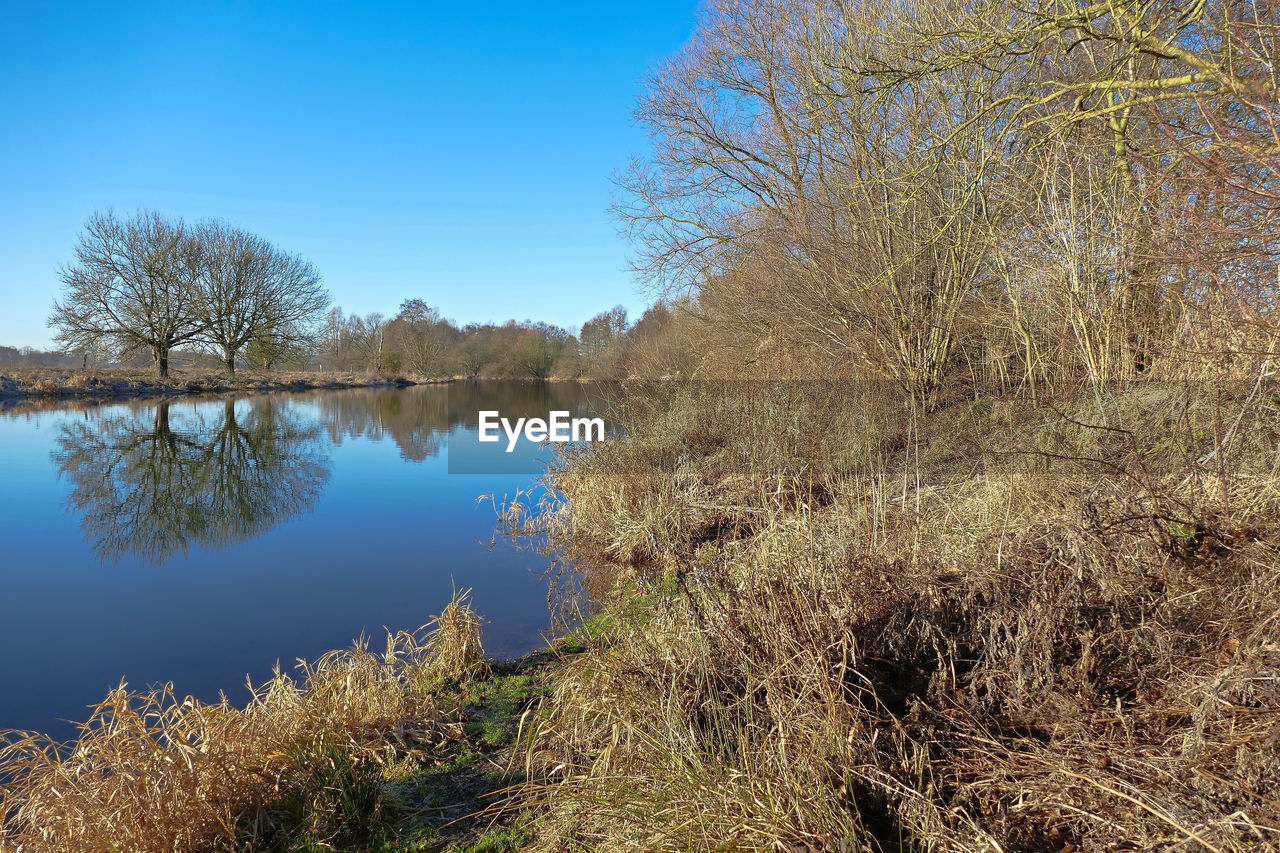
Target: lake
column 200, row 540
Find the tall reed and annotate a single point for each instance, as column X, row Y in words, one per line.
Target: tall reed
column 154, row 772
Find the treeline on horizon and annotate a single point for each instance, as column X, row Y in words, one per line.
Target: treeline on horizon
column 418, row 341
column 149, row 289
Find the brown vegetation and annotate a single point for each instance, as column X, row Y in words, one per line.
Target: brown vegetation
column 1004, row 576
column 1030, row 192
column 300, row 764
column 1010, row 625
column 67, row 382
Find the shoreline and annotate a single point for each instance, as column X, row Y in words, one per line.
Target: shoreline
column 115, row 383
column 416, row 749
column 109, row 384
column 612, row 732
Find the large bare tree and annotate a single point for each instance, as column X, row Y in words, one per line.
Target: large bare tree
column 130, row 288
column 421, row 336
column 1164, row 108
column 1057, row 186
column 248, row 291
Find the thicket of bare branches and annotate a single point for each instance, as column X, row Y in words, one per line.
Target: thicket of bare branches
column 999, row 620
column 1025, row 189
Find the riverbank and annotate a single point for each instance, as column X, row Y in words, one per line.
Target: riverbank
column 824, row 622
column 1010, row 622
column 66, row 383
column 410, row 749
column 108, row 383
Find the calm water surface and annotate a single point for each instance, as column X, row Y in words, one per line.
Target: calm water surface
column 200, row 541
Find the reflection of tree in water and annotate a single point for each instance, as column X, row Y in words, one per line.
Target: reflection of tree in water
column 518, row 399
column 146, row 487
column 418, row 419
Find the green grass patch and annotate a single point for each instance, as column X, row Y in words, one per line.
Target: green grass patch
column 500, row 841
column 333, row 797
column 589, row 634
column 423, row 839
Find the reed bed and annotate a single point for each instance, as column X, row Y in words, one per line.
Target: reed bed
column 299, row 763
column 1000, row 625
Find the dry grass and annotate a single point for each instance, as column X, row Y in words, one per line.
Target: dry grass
column 61, row 382
column 1000, row 626
column 150, row 772
column 828, row 625
column 457, row 644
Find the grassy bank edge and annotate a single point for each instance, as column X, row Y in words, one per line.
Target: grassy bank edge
column 463, row 798
column 417, row 749
column 106, row 384
column 62, row 383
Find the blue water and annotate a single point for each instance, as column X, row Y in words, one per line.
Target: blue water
column 202, row 541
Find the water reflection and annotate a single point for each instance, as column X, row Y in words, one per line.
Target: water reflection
column 416, row 419
column 188, row 500
column 152, row 483
column 153, row 480
column 419, row 419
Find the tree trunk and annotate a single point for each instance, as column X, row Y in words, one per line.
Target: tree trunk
column 161, row 357
column 162, row 421
column 229, row 359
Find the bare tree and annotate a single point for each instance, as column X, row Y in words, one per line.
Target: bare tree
column 895, row 185
column 368, row 340
column 251, row 291
column 816, row 207
column 130, row 288
column 535, row 351
column 601, row 331
column 1165, row 108
column 421, row 337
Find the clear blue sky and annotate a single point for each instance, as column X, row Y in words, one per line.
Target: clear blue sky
column 458, row 152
